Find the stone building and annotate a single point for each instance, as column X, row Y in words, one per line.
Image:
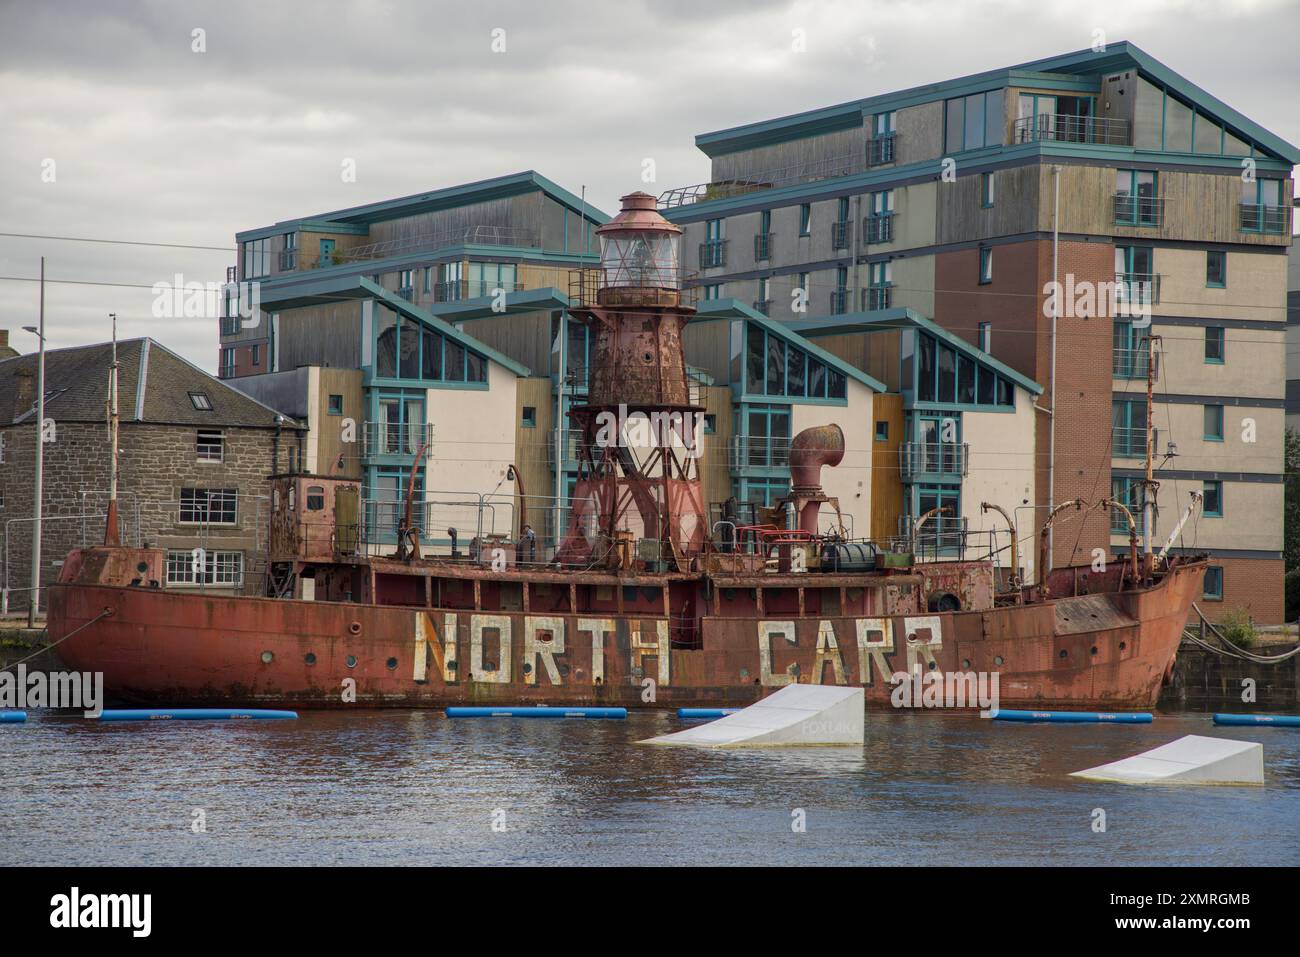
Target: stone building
column 195, row 456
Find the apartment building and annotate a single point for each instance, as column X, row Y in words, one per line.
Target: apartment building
column 1293, row 339
column 360, row 325
column 1161, row 212
column 195, row 455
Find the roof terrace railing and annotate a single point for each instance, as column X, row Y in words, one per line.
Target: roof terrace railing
column 1062, row 128
column 480, row 235
column 844, row 164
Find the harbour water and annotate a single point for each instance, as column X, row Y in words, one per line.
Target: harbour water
column 399, row 787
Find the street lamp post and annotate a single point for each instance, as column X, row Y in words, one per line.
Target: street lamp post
column 40, row 457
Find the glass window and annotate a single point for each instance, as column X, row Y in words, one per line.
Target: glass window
column 454, row 365
column 947, row 374
column 805, row 219
column 1208, row 136
column 408, row 366
column 986, row 190
column 1214, row 344
column 1006, row 392
column 386, row 343
column 1216, row 268
column 430, row 354
column 315, row 498
column 530, row 417
column 475, row 367
column 209, row 446
column 925, row 368
column 816, row 379
column 775, row 366
column 1214, row 423
column 755, row 360
column 986, row 265
column 336, row 405
column 1213, row 587
column 882, row 431
column 954, row 121
column 986, row 336
column 796, row 373
column 973, row 133
column 1178, row 126
column 836, row 384
column 1213, row 492
column 965, row 380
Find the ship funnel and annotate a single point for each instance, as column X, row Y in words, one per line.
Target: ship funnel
column 810, row 451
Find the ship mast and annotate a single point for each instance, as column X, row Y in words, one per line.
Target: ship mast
column 111, row 536
column 1149, row 484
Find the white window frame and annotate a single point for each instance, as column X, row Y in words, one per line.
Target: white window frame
column 200, row 445
column 222, row 569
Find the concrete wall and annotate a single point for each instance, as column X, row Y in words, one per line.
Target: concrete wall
column 1002, row 472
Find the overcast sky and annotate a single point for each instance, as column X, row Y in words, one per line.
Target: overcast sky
column 153, row 142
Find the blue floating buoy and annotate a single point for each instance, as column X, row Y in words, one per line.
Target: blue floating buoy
column 705, row 712
column 538, row 712
column 195, row 714
column 1276, row 720
column 1074, row 717
column 12, row 717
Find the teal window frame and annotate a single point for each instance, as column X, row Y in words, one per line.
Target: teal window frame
column 335, row 408
column 981, row 101
column 528, row 418
column 938, row 361
column 1129, row 359
column 1222, row 256
column 986, row 265
column 986, row 337
column 783, row 361
column 1215, row 486
column 1212, row 590
column 1128, row 492
column 1213, row 423
column 986, row 190
column 1216, row 339
column 1132, row 190
column 805, row 219
column 473, row 371
column 882, row 430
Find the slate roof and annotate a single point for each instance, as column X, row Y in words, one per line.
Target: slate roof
column 154, row 386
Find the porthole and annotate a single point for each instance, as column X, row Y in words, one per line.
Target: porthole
column 932, row 666
column 392, row 664
column 1093, row 650
column 1123, row 645
column 351, row 661
column 268, row 657
column 1064, row 653
column 998, row 661
column 354, row 628
column 310, row 658
column 965, row 664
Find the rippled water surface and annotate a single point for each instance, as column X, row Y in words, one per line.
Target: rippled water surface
column 400, row 787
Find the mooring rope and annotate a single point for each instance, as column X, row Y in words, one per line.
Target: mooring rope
column 13, row 664
column 1232, row 651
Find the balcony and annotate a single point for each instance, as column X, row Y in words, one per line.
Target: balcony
column 1060, row 128
column 1132, row 363
column 839, row 301
column 762, row 247
column 1137, row 288
column 753, row 452
column 764, row 306
column 571, row 447
column 928, row 460
column 841, row 234
column 388, row 438
column 454, row 290
column 1131, row 443
column 1269, row 220
column 880, row 149
column 878, row 228
column 1133, row 210
column 877, row 297
column 713, row 253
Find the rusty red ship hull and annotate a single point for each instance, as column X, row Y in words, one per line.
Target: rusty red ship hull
column 1109, row 650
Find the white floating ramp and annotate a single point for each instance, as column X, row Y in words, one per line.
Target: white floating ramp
column 1189, row 760
column 797, row 715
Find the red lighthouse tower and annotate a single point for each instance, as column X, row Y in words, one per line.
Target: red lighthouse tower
column 638, row 493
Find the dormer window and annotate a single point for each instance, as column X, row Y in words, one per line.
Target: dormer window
column 201, row 401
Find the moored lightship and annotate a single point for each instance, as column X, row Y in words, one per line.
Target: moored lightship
column 644, row 603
